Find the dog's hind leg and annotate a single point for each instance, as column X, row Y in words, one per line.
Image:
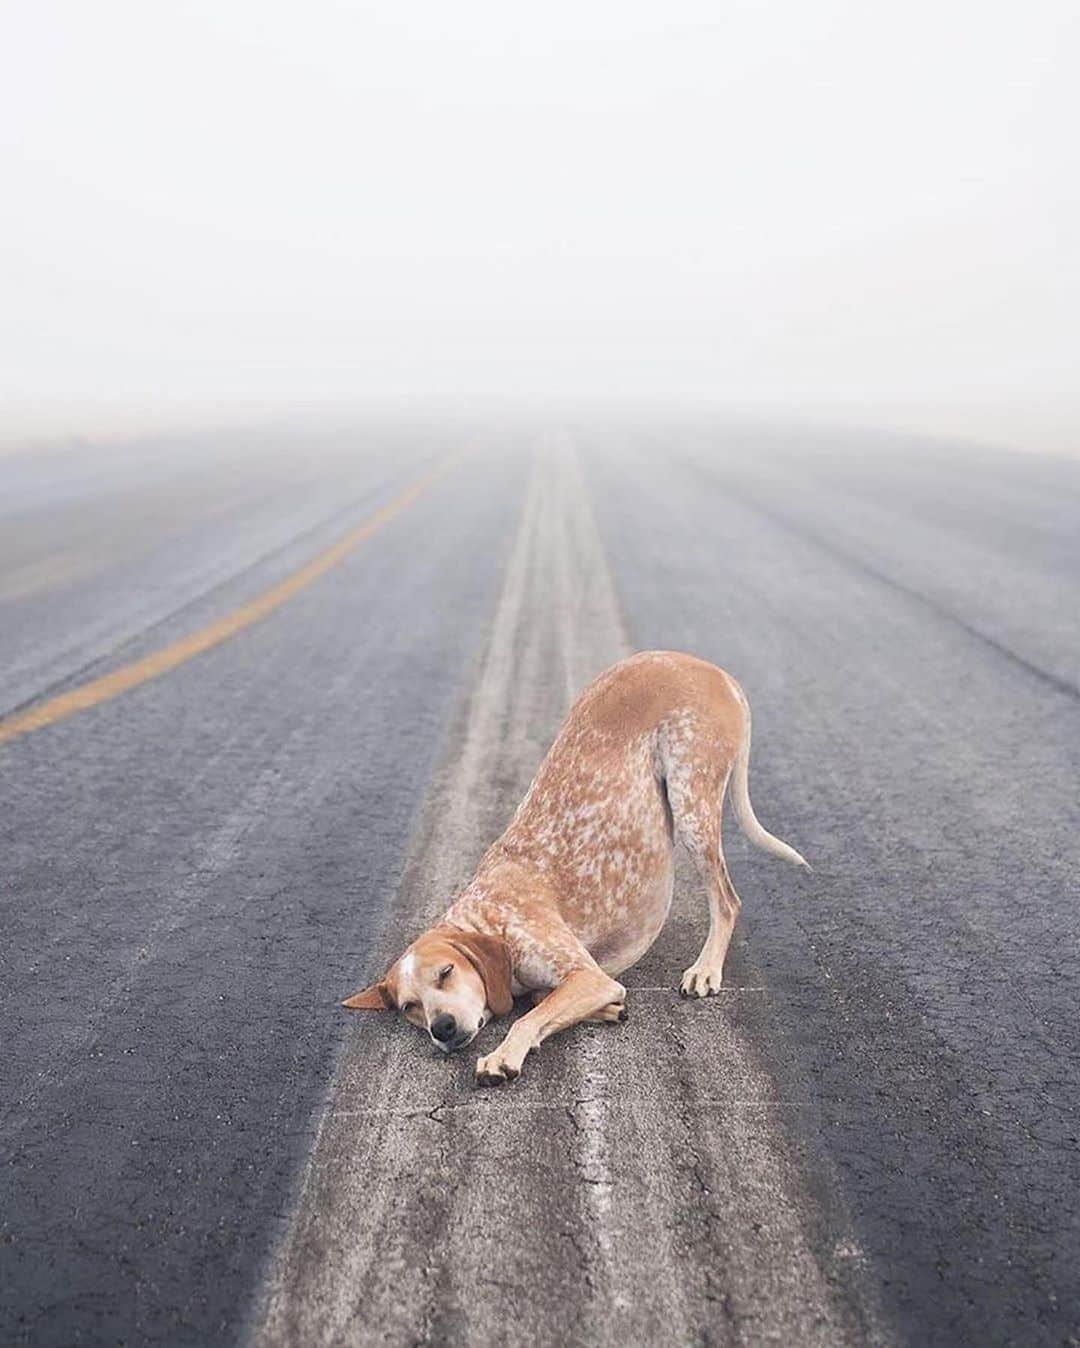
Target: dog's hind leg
column 705, row 976
column 697, row 805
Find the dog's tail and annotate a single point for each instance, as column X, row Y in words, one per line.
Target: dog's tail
column 744, row 811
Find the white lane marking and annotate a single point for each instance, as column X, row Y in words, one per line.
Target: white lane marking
column 557, row 608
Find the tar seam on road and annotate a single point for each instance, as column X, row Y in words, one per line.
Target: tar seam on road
column 1058, row 682
column 152, row 666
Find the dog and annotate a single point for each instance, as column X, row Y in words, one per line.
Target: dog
column 579, row 886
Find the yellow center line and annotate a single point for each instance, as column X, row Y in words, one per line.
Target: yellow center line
column 96, row 691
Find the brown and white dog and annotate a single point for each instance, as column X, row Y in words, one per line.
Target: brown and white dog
column 579, row 886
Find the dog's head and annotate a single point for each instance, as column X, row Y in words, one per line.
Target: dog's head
column 449, row 982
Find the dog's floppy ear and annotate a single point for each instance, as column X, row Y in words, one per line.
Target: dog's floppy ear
column 375, row 998
column 490, row 957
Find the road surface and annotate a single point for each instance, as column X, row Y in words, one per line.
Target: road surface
column 266, row 699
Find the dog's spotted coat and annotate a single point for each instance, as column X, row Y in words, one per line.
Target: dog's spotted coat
column 579, row 886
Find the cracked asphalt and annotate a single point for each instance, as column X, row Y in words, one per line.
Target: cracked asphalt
column 871, row 1136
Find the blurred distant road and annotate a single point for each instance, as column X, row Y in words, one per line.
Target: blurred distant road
column 871, row 1136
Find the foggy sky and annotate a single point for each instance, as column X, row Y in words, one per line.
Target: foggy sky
column 228, row 206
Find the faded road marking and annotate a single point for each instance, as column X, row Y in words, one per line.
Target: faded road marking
column 122, row 680
column 364, row 1256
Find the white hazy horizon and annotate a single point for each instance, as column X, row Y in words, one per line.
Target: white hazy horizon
column 230, row 210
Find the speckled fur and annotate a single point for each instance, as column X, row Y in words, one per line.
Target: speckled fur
column 583, row 875
column 579, row 886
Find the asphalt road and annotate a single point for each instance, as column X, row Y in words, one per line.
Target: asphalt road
column 871, row 1136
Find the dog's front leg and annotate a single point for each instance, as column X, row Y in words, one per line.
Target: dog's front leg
column 584, row 993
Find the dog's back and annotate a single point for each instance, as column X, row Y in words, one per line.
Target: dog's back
column 597, row 822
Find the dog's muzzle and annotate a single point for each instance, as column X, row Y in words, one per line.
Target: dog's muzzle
column 445, row 1032
column 448, row 1034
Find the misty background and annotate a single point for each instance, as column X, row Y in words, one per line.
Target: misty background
column 862, row 213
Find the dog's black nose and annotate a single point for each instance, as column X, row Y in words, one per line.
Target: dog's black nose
column 443, row 1028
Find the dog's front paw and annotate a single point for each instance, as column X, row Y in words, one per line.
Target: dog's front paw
column 496, row 1068
column 701, row 982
